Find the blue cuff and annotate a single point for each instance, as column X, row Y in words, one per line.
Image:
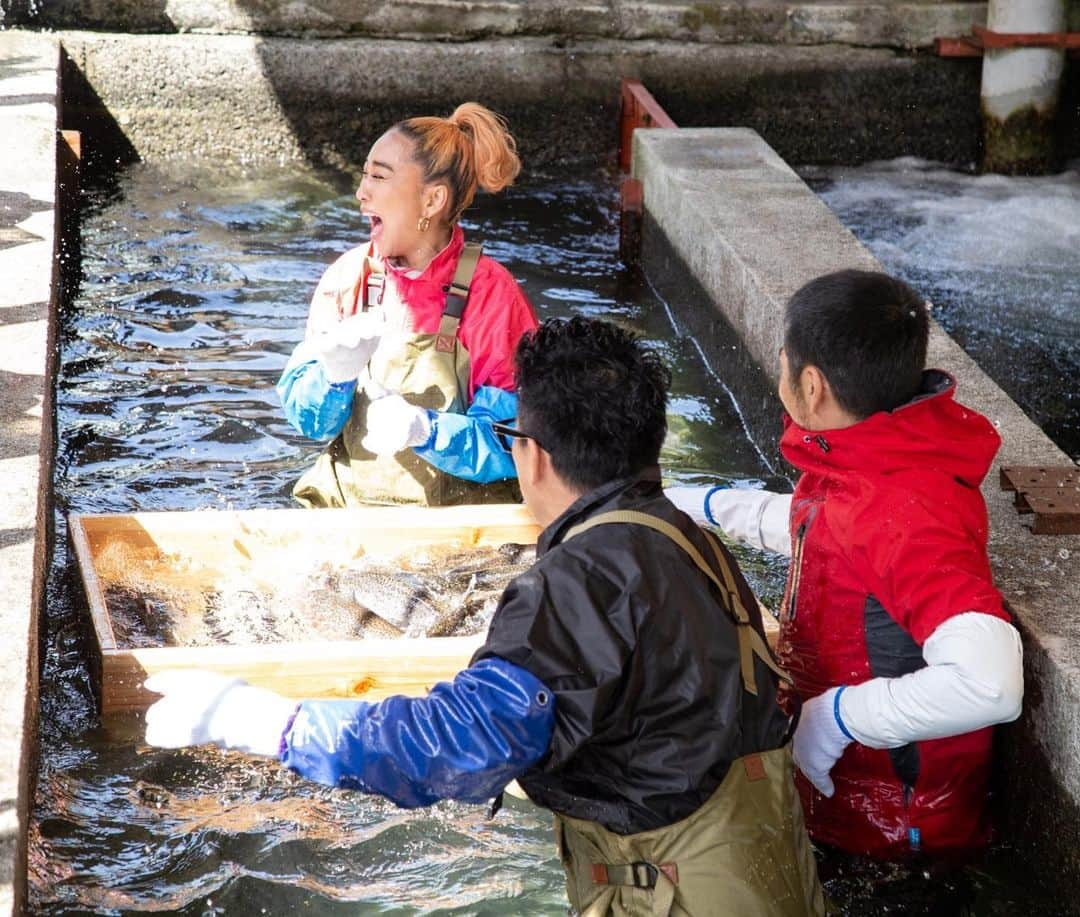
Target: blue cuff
column 708, row 497
column 836, row 712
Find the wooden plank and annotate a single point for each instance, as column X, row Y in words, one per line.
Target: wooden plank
column 964, row 46
column 1003, row 40
column 1048, row 497
column 353, row 669
column 95, row 596
column 194, row 551
column 1057, row 510
column 638, row 109
column 976, row 44
column 218, row 538
column 1051, row 492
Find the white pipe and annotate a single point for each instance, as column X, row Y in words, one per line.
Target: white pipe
column 1014, row 79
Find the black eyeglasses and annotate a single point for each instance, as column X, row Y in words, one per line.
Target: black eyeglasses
column 506, row 434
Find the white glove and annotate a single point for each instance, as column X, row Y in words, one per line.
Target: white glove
column 819, row 740
column 691, row 500
column 393, row 425
column 204, row 707
column 345, row 347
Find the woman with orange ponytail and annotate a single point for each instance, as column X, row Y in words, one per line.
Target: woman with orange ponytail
column 408, row 353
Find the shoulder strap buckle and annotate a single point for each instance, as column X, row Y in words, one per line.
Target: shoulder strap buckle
column 457, row 291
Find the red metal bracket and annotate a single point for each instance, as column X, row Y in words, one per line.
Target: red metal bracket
column 983, row 39
column 638, row 109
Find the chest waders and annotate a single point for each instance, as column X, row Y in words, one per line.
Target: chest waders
column 430, row 370
column 744, row 853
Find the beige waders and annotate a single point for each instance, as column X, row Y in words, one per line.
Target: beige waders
column 744, row 853
column 431, row 370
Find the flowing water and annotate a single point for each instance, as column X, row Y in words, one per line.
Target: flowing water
column 998, row 257
column 193, row 291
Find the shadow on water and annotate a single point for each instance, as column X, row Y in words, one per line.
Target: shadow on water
column 193, row 292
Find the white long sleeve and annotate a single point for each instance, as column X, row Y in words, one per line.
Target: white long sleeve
column 758, row 517
column 974, row 677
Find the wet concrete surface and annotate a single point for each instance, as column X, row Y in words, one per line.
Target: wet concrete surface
column 28, row 120
column 271, row 99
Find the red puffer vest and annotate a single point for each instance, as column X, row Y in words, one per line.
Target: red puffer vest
column 888, row 541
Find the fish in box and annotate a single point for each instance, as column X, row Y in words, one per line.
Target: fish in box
column 310, row 603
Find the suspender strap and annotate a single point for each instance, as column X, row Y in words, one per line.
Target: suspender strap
column 373, row 288
column 457, row 295
column 751, row 642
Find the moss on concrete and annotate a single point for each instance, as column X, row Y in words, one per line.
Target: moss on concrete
column 1025, row 143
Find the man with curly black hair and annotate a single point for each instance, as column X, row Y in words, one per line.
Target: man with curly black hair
column 625, row 681
column 668, row 768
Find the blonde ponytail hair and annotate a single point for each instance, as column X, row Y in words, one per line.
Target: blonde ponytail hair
column 472, row 148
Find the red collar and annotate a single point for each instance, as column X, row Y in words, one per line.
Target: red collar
column 441, row 268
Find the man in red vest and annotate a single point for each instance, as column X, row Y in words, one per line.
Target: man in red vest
column 902, row 653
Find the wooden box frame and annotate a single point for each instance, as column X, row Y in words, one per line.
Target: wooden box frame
column 212, row 543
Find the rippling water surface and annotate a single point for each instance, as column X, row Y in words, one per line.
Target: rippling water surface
column 194, row 291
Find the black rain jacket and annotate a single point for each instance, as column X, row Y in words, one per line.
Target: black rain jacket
column 643, row 660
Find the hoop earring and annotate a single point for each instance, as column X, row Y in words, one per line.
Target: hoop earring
column 423, row 223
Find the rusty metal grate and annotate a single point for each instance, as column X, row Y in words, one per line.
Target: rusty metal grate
column 1051, row 494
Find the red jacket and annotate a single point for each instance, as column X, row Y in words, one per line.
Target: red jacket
column 888, row 541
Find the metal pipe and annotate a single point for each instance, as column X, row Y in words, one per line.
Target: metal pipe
column 1020, row 88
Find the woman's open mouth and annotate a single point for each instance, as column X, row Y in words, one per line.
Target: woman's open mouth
column 375, row 223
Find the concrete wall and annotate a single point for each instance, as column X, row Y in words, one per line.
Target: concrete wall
column 28, row 121
column 887, row 23
column 261, row 100
column 749, row 230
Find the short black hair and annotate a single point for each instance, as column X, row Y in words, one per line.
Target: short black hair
column 867, row 333
column 594, row 397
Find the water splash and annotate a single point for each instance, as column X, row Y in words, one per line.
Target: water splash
column 1000, row 259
